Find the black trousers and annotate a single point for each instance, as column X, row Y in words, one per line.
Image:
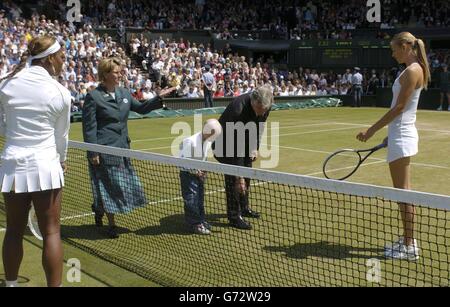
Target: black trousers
column 236, row 202
column 208, row 97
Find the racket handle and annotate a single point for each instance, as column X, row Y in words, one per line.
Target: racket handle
column 381, row 146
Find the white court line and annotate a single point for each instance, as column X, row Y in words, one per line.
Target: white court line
column 353, row 126
column 157, row 148
column 2, row 229
column 431, row 165
column 325, row 153
column 315, row 131
column 365, row 125
column 318, row 151
column 343, row 168
column 277, row 135
column 211, row 192
column 301, row 133
column 302, row 126
column 434, row 130
column 269, row 128
column 370, row 158
column 290, row 134
column 76, row 216
column 155, row 139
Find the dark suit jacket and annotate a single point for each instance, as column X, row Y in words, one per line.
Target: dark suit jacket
column 105, row 118
column 238, row 111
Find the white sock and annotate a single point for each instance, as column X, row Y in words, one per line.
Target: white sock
column 12, row 284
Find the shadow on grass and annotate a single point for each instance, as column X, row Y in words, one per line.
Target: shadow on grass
column 326, row 250
column 175, row 224
column 88, row 232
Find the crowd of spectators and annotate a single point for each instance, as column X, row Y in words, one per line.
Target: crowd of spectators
column 172, row 63
column 294, row 19
column 182, row 64
column 84, row 49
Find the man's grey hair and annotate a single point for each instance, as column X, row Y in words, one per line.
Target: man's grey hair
column 264, row 96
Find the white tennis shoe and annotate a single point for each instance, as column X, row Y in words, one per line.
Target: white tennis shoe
column 398, row 250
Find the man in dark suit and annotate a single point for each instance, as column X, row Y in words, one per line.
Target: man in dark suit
column 115, row 185
column 249, row 110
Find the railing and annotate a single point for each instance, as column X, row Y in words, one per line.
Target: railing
column 429, row 100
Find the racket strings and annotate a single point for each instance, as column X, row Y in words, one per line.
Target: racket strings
column 342, row 164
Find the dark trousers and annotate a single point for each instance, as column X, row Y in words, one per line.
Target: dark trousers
column 236, row 202
column 208, row 97
column 357, row 95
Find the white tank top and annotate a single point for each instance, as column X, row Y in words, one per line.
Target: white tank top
column 404, row 124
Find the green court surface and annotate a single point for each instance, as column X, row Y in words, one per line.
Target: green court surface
column 306, row 138
column 93, row 273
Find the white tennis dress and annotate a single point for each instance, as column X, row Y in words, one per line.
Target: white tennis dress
column 403, row 137
column 35, row 121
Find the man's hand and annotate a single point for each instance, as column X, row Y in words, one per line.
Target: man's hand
column 254, row 155
column 95, row 160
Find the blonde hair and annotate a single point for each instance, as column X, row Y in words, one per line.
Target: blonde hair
column 37, row 45
column 418, row 47
column 106, row 66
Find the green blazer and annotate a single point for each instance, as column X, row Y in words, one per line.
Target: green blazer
column 105, row 118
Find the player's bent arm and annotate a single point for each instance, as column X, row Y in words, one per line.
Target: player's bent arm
column 408, row 82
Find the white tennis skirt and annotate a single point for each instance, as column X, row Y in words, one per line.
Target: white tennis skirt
column 402, row 147
column 26, row 170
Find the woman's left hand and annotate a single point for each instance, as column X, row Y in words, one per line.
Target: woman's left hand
column 166, row 91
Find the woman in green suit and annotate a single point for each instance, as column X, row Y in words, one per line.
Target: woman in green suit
column 115, row 185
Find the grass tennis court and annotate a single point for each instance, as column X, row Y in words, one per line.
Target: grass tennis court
column 306, row 138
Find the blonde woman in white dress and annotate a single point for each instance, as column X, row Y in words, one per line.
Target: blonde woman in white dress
column 403, row 138
column 34, row 119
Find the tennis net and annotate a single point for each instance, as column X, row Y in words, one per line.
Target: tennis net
column 312, row 232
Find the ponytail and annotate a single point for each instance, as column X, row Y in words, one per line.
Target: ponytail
column 423, row 61
column 35, row 46
column 418, row 47
column 18, row 68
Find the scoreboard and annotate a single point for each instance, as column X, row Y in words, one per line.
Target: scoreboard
column 341, row 54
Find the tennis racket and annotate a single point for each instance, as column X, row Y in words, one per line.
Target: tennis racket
column 33, row 223
column 344, row 163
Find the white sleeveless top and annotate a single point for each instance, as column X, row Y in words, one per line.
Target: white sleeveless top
column 403, row 137
column 35, row 121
